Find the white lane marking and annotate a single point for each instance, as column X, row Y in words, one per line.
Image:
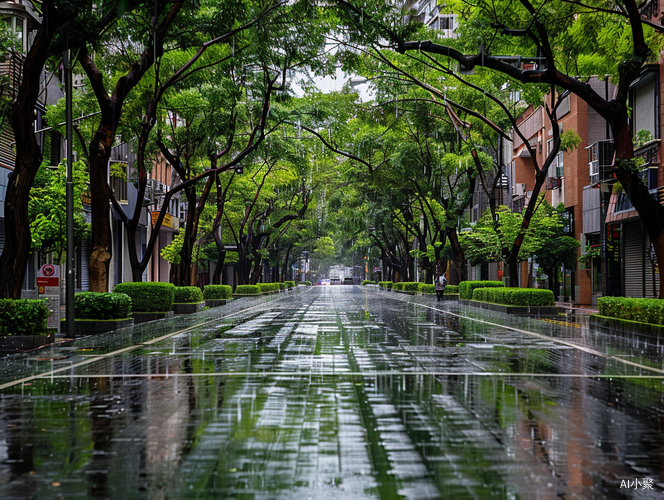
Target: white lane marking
column 52, row 373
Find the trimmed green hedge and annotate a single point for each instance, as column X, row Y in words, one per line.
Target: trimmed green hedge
column 632, row 309
column 385, row 284
column 100, row 305
column 451, row 289
column 427, row 288
column 308, row 283
column 187, row 295
column 289, row 284
column 217, row 292
column 282, row 286
column 268, row 287
column 410, row 286
column 148, row 296
column 515, row 296
column 248, row 290
column 367, row 282
column 23, row 317
column 397, row 286
column 466, row 287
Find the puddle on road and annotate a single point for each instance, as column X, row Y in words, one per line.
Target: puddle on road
column 338, row 394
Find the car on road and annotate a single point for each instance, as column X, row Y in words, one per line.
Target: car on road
column 324, row 282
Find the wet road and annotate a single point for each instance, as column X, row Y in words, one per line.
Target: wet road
column 337, row 392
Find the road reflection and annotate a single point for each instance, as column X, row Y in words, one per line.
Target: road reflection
column 343, row 393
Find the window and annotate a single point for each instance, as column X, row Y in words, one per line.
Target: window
column 557, row 167
column 643, row 101
column 623, row 203
column 446, row 23
column 560, row 165
column 15, row 26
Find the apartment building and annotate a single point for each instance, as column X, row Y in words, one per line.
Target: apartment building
column 618, row 257
column 434, row 15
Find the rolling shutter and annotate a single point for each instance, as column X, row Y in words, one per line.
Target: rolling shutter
column 633, row 240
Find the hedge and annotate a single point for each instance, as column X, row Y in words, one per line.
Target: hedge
column 410, row 286
column 268, row 287
column 187, row 295
column 397, row 286
column 148, row 296
column 217, row 292
column 515, row 296
column 367, row 282
column 308, row 283
column 431, row 288
column 23, row 316
column 385, row 284
column 289, row 284
column 466, row 287
column 248, row 290
column 101, row 305
column 641, row 310
column 282, row 286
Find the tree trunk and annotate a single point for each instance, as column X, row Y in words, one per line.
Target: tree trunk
column 513, row 274
column 102, row 241
column 221, row 257
column 459, row 259
column 187, row 245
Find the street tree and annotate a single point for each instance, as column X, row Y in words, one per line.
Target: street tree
column 47, row 206
column 569, row 38
column 81, row 21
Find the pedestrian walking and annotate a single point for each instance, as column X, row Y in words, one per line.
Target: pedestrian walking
column 441, row 281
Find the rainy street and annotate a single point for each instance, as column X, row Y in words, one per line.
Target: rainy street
column 337, row 392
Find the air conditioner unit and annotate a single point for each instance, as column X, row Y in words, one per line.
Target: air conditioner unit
column 519, row 189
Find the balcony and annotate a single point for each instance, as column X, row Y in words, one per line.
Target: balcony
column 554, row 183
column 600, row 161
column 649, row 153
column 11, row 71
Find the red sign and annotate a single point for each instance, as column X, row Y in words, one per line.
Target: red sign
column 48, row 270
column 48, row 281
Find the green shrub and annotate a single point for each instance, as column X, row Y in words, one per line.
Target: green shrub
column 289, row 284
column 397, row 286
column 515, row 296
column 466, row 287
column 248, row 290
column 148, row 296
column 217, row 292
column 633, row 309
column 367, row 282
column 410, row 286
column 100, row 305
column 23, row 317
column 187, row 295
column 308, row 283
column 451, row 289
column 427, row 288
column 282, row 286
column 268, row 287
column 385, row 284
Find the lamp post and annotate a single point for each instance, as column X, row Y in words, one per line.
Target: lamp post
column 69, row 211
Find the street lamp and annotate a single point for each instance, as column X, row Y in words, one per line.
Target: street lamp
column 356, row 81
column 69, row 211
